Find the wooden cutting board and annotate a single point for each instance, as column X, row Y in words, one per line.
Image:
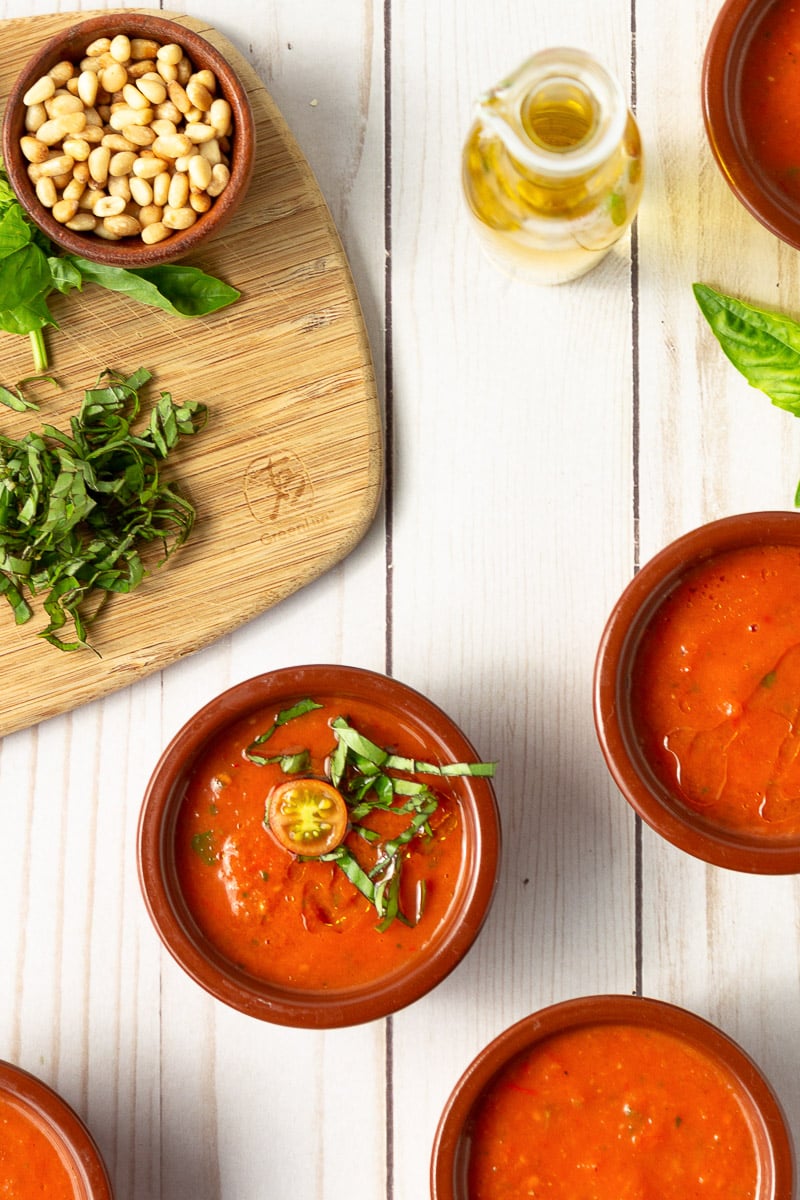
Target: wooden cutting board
column 286, row 475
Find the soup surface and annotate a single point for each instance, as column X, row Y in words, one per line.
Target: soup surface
column 612, row 1112
column 30, row 1164
column 297, row 921
column 715, row 690
column 769, row 95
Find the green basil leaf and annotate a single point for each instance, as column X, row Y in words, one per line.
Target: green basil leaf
column 764, row 346
column 191, row 291
column 180, row 291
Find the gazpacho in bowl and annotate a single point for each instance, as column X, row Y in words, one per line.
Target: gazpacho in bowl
column 319, row 846
column 610, row 1097
column 45, row 1148
column 697, row 692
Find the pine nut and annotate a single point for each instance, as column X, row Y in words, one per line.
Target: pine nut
column 161, row 188
column 120, row 48
column 65, row 210
column 148, row 168
column 178, row 193
column 34, row 150
column 171, row 54
column 172, row 145
column 179, row 218
column 113, row 78
column 99, row 46
column 40, row 91
column 109, row 206
column 153, row 90
column 156, row 232
column 199, row 172
column 82, row 222
column 143, row 48
column 123, row 225
column 88, row 84
column 61, row 165
column 141, row 191
column 220, row 178
column 199, row 95
column 46, row 191
column 61, row 72
column 121, row 163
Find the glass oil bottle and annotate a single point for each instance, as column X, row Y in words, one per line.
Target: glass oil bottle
column 552, row 168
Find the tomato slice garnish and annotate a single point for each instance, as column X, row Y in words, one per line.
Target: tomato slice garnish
column 307, row 816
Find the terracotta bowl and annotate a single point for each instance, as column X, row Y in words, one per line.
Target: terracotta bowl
column 615, row 712
column 726, row 120
column 420, row 725
column 131, row 251
column 450, row 1160
column 52, row 1119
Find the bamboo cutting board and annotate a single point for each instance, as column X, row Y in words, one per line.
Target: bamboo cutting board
column 285, row 476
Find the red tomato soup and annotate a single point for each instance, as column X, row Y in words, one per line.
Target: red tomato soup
column 715, row 691
column 31, row 1165
column 769, row 95
column 612, row 1112
column 297, row 921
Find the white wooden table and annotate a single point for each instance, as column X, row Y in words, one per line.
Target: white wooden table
column 540, row 444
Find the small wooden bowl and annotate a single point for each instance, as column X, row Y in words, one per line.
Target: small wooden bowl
column 132, row 252
column 771, row 1138
column 52, row 1118
column 419, row 723
column 615, row 712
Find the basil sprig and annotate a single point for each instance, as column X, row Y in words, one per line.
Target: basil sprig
column 363, row 772
column 764, row 346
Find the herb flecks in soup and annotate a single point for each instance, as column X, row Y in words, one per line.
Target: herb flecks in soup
column 31, row 1165
column 769, row 95
column 314, row 856
column 715, row 690
column 612, row 1112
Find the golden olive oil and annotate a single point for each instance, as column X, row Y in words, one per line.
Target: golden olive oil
column 552, row 167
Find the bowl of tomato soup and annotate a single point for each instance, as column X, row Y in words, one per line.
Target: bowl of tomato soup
column 319, row 846
column 751, row 108
column 611, row 1097
column 697, row 692
column 45, row 1148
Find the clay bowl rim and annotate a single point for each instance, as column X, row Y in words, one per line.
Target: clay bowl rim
column 637, row 604
column 65, row 1127
column 215, row 973
column 730, row 35
column 450, row 1152
column 132, row 252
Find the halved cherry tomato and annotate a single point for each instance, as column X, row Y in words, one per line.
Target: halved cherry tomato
column 307, row 816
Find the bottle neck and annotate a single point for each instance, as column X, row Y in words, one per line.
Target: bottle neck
column 560, row 115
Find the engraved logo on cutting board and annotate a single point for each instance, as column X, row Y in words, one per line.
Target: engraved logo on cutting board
column 279, row 494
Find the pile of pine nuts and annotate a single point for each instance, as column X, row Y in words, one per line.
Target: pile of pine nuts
column 131, row 141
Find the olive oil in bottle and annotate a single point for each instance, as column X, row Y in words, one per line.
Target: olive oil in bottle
column 552, row 167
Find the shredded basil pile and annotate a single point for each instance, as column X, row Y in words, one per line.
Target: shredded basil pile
column 78, row 507
column 365, row 776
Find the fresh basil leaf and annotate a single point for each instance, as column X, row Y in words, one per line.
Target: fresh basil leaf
column 180, row 291
column 764, row 346
column 191, row 291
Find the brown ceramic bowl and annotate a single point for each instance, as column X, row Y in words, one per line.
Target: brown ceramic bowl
column 452, row 1147
column 131, row 251
column 616, row 715
column 726, row 120
column 420, row 725
column 51, row 1118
